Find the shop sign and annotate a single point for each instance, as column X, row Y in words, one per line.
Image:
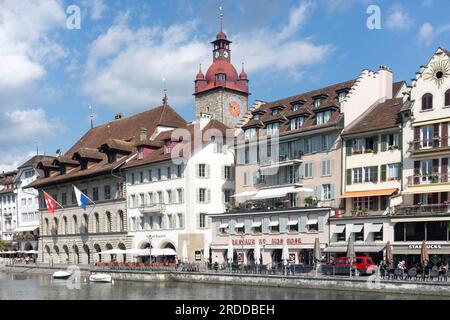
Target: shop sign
column 429, row 246
column 240, row 242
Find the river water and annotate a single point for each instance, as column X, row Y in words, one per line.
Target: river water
column 14, row 286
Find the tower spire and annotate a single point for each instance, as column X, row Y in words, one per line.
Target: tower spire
column 91, row 117
column 165, row 97
column 221, row 18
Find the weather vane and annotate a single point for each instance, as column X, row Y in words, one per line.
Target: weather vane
column 91, row 116
column 165, row 98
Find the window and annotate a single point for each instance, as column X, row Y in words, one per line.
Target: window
column 202, row 220
column 447, row 98
column 224, row 228
column 63, row 198
column 378, row 236
column 95, row 194
column 133, row 201
column 327, row 142
column 308, row 145
column 141, row 153
column 169, row 172
column 240, row 228
column 250, row 133
column 167, row 146
column 363, row 203
column 24, row 202
column 370, row 174
column 74, row 197
column 107, row 192
column 341, row 96
column 276, row 112
column 227, row 172
column 357, row 175
column 296, row 106
column 256, row 116
column 221, row 77
column 326, row 192
column 325, row 168
column 427, row 136
column 359, row 236
column 308, row 169
column 341, row 235
column 202, row 195
column 274, row 226
column 358, row 146
column 246, row 179
column 317, row 102
column 160, row 197
column 369, row 145
column 96, row 223
column 169, row 197
column 133, row 179
column 323, row 117
column 427, row 101
column 75, row 225
column 393, row 141
column 227, row 195
column 202, row 170
column 180, row 195
column 272, row 128
column 179, row 171
column 108, row 222
column 297, row 123
column 159, row 174
column 141, row 177
column 394, row 171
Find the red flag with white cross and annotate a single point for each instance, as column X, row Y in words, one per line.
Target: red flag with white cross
column 50, row 202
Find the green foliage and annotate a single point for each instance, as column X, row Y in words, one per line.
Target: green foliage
column 2, row 245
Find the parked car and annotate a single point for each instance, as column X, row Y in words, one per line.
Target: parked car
column 341, row 265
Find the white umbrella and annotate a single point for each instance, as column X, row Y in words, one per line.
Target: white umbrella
column 112, row 251
column 134, row 252
column 31, row 252
column 257, row 253
column 206, row 252
column 285, row 253
column 184, row 252
column 230, row 252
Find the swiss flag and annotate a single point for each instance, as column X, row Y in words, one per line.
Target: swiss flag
column 50, row 202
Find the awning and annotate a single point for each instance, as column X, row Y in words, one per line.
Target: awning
column 244, row 194
column 427, row 189
column 426, row 123
column 357, row 228
column 280, row 164
column 339, row 229
column 292, row 222
column 256, row 224
column 312, row 221
column 341, row 249
column 25, row 229
column 369, row 193
column 239, row 225
column 274, row 223
column 419, row 219
column 158, row 252
column 280, row 192
column 223, row 226
column 376, row 227
column 112, row 251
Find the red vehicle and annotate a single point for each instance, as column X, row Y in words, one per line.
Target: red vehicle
column 362, row 263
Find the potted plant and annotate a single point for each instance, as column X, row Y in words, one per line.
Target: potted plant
column 309, row 201
column 353, row 211
column 365, row 211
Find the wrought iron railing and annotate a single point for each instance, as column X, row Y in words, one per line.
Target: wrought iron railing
column 442, row 208
column 433, row 178
column 433, row 143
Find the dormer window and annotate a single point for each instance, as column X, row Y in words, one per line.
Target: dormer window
column 256, row 116
column 167, row 146
column 296, row 107
column 250, row 133
column 272, row 128
column 112, row 157
column 62, row 169
column 83, row 164
column 297, row 123
column 140, row 153
column 221, row 77
column 341, row 96
column 323, row 117
column 317, row 102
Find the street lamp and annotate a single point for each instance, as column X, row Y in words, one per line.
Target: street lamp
column 149, row 237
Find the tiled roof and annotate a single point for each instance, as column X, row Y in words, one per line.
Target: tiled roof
column 32, row 162
column 396, row 87
column 385, row 115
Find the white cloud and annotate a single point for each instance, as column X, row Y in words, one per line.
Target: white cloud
column 427, row 33
column 96, row 8
column 398, row 19
column 10, row 162
column 125, row 66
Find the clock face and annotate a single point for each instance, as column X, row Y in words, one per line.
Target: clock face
column 235, row 107
column 225, row 54
column 217, row 54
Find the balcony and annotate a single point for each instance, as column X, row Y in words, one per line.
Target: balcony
column 283, row 161
column 428, row 179
column 152, row 208
column 277, row 181
column 422, row 210
column 418, row 147
column 267, row 206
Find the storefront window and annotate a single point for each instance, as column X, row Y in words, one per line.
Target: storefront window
column 359, row 236
column 341, row 236
column 378, row 236
column 415, row 231
column 399, row 232
column 293, row 228
column 437, row 230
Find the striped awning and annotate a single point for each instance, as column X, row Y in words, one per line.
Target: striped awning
column 369, row 193
column 427, row 189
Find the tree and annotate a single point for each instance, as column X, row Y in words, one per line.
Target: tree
column 2, row 245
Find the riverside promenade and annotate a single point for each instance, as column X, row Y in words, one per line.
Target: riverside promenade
column 304, row 281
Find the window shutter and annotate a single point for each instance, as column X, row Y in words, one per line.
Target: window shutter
column 400, row 171
column 208, row 195
column 435, row 165
column 444, row 133
column 383, row 173
column 197, row 170
column 375, row 144
column 375, row 203
column 223, row 172
column 349, row 177
column 197, row 195
column 348, row 147
column 208, row 171
column 198, row 220
column 447, row 98
column 436, row 137
column 283, row 224
column 333, row 191
column 321, row 222
column 375, row 174
column 383, row 143
column 265, row 225
column 302, row 220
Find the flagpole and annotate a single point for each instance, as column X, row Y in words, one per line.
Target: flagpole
column 55, row 201
column 86, row 198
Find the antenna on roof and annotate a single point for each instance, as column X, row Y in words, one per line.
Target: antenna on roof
column 165, row 97
column 221, row 17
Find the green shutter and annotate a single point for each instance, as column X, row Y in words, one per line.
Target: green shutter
column 383, row 173
column 375, row 174
column 375, row 144
column 400, row 171
column 349, row 177
column 348, row 147
column 383, row 143
column 400, row 143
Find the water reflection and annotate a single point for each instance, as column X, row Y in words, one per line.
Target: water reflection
column 43, row 287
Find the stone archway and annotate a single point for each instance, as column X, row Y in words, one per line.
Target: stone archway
column 109, row 257
column 76, row 254
column 28, row 247
column 87, row 255
column 122, row 257
column 48, row 257
column 67, row 254
column 144, row 245
column 97, row 250
column 57, row 258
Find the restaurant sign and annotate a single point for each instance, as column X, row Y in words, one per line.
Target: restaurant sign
column 266, row 241
column 429, row 246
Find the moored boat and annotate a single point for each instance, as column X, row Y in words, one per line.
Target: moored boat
column 100, row 277
column 61, row 275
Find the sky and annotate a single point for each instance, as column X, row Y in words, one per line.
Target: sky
column 51, row 72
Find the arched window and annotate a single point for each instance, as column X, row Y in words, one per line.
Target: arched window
column 96, row 223
column 75, row 225
column 86, row 223
column 447, row 98
column 427, row 101
column 121, row 221
column 108, row 222
column 46, row 226
column 65, row 231
column 55, row 226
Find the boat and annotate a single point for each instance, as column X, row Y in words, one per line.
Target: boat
column 100, row 277
column 61, row 275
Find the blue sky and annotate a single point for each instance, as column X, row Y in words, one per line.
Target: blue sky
column 50, row 75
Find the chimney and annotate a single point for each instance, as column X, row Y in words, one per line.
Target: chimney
column 385, row 82
column 143, row 134
column 118, row 116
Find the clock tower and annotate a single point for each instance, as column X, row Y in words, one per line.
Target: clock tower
column 221, row 94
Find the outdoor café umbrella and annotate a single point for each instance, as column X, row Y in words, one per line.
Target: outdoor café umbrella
column 317, row 255
column 257, row 253
column 350, row 253
column 184, row 252
column 424, row 258
column 206, row 255
column 285, row 254
column 389, row 255
column 230, row 252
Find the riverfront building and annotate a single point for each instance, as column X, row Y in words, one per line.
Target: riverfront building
column 424, row 213
column 8, row 205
